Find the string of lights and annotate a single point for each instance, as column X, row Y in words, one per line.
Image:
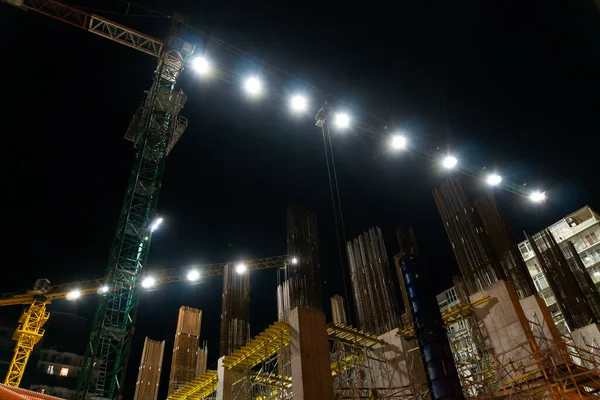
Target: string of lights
column 298, row 102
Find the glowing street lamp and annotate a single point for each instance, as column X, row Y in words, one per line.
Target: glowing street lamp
column 298, row 103
column 449, row 162
column 253, row 86
column 398, row 142
column 493, row 179
column 241, row 268
column 193, row 275
column 156, row 224
column 294, row 261
column 148, row 282
column 74, row 294
column 201, row 65
column 538, row 197
column 341, row 120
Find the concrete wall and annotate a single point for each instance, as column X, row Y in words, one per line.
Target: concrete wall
column 404, row 367
column 505, row 328
column 585, row 337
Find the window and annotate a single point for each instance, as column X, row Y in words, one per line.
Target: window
column 50, row 369
column 590, row 238
column 64, row 372
column 540, row 282
column 526, row 250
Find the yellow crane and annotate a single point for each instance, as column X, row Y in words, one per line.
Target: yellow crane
column 29, row 332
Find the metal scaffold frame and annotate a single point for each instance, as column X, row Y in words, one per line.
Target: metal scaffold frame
column 362, row 367
column 472, row 358
column 549, row 370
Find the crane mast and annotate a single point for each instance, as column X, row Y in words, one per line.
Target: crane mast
column 155, row 129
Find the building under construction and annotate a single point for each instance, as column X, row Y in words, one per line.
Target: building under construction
column 235, row 311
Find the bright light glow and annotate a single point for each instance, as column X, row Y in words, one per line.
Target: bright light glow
column 156, row 224
column 104, row 289
column 201, row 65
column 342, row 120
column 148, row 282
column 74, row 294
column 253, row 86
column 193, row 275
column 398, row 142
column 449, row 162
column 493, row 179
column 298, row 103
column 538, row 197
column 241, row 268
column 294, row 261
column 597, row 274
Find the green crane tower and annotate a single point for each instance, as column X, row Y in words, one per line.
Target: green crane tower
column 155, row 129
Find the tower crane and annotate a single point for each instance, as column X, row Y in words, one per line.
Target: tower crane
column 155, row 129
column 30, row 331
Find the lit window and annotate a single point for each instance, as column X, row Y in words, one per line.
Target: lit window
column 50, row 369
column 64, row 372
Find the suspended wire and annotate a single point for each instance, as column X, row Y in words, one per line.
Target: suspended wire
column 335, row 216
column 151, row 13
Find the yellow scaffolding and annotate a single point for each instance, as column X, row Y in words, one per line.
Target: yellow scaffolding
column 198, row 389
column 27, row 335
column 261, row 348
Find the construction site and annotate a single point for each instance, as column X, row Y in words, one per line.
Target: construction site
column 522, row 321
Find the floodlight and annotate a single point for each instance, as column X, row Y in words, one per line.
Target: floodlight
column 298, row 103
column 449, row 162
column 493, row 179
column 342, row 120
column 294, row 261
column 538, row 197
column 201, row 65
column 241, row 268
column 253, row 86
column 156, row 224
column 104, row 289
column 74, row 294
column 398, row 142
column 193, row 275
column 148, row 282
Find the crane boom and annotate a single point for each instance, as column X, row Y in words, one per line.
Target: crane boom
column 171, row 275
column 95, row 24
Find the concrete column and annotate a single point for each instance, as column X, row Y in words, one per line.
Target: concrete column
column 583, row 338
column 535, row 310
column 506, row 328
column 310, row 363
column 226, row 383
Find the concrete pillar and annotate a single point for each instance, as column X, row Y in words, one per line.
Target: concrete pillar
column 403, row 365
column 309, row 348
column 583, row 338
column 544, row 329
column 506, row 329
column 226, row 383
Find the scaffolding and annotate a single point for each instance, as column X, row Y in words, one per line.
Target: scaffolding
column 550, row 369
column 366, row 366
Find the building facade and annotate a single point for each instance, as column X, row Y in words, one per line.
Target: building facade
column 57, row 373
column 582, row 228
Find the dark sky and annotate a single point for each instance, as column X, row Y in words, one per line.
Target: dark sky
column 512, row 85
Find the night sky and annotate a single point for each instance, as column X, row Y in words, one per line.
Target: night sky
column 511, row 85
